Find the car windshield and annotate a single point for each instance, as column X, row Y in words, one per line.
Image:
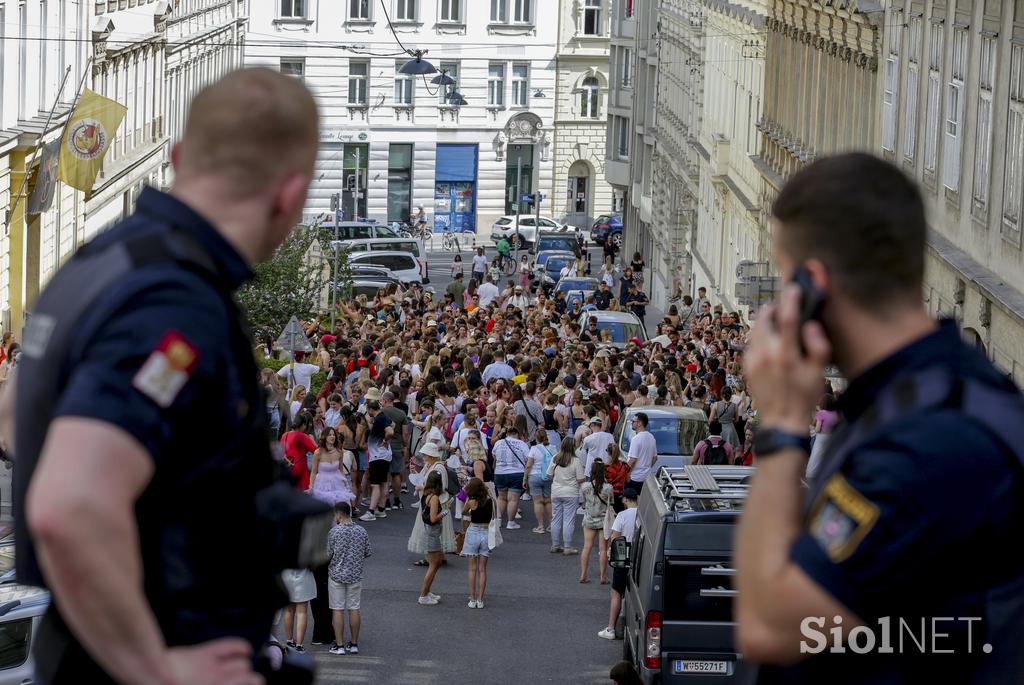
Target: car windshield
column 556, row 263
column 386, row 232
column 556, row 243
column 603, row 219
column 621, row 330
column 567, row 284
column 543, row 257
column 673, row 434
column 504, row 221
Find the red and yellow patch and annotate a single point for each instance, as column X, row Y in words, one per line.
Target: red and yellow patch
column 167, row 369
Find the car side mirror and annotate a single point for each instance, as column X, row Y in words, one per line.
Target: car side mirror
column 619, row 554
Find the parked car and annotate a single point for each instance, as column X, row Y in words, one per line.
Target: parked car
column 560, row 240
column 607, row 227
column 410, row 245
column 357, row 230
column 505, row 227
column 576, row 288
column 366, row 285
column 547, row 268
column 676, row 430
column 622, row 325
column 677, row 612
column 21, row 609
column 404, row 265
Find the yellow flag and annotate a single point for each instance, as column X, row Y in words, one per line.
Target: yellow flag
column 87, row 136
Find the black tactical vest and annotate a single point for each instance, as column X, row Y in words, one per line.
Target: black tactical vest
column 200, row 534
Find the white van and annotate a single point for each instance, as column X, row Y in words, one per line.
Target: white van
column 410, row 245
column 403, row 265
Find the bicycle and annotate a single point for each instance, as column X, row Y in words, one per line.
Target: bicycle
column 506, row 264
column 450, row 242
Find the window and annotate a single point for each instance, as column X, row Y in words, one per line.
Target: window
column 359, row 10
column 983, row 144
column 521, row 12
column 890, row 90
column 622, row 135
column 627, row 68
column 592, row 17
column 496, row 85
column 452, row 69
column 293, row 66
column 913, row 79
column 931, row 133
column 451, row 11
column 1013, row 177
column 627, row 9
column 955, row 95
column 588, row 98
column 520, row 85
column 405, row 10
column 293, row 9
column 404, row 89
column 358, row 76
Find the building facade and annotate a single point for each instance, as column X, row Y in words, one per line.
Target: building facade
column 952, row 115
column 581, row 191
column 729, row 225
column 120, row 49
column 664, row 179
column 390, row 142
column 621, row 79
column 821, row 78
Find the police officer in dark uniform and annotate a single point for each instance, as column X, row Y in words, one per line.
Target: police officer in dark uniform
column 145, row 492
column 900, row 562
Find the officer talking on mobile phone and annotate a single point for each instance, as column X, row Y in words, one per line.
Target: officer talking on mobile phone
column 147, row 499
column 900, row 562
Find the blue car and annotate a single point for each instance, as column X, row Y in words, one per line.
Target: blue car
column 549, row 264
column 607, row 227
column 576, row 288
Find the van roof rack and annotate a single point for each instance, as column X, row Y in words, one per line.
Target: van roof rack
column 704, row 488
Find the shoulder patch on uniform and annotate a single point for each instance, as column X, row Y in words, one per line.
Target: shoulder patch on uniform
column 841, row 517
column 167, row 369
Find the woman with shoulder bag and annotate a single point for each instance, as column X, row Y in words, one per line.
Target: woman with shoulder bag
column 537, row 481
column 433, row 514
column 597, row 500
column 566, row 473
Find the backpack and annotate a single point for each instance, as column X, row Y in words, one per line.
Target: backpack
column 714, row 455
column 548, row 456
column 449, row 425
column 453, row 482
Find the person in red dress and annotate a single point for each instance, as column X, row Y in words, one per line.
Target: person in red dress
column 297, row 444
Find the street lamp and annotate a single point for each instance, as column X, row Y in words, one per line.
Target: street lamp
column 455, row 98
column 539, row 94
column 443, row 79
column 418, row 65
column 336, row 245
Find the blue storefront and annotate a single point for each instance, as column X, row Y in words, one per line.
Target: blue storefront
column 455, row 188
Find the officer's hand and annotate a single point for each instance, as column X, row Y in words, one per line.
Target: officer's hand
column 786, row 384
column 226, row 661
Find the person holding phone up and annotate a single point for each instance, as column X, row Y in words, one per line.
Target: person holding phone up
column 926, row 422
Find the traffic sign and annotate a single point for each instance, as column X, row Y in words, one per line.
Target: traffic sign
column 757, row 291
column 748, row 269
column 526, row 197
column 293, row 338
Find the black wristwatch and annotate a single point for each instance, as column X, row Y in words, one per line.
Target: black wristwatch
column 768, row 441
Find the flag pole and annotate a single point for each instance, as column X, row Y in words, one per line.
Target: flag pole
column 31, row 158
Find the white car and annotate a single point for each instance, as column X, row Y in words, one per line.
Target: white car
column 403, row 265
column 505, row 227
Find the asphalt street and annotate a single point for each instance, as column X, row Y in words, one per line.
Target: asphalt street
column 539, row 624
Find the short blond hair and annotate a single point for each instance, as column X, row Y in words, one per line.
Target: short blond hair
column 250, row 128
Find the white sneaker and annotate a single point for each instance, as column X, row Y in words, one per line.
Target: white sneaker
column 607, row 634
column 519, row 515
column 479, row 604
column 472, row 604
column 381, row 514
column 526, row 497
column 415, row 505
column 512, row 525
column 428, row 600
column 337, row 649
column 433, row 596
column 367, row 516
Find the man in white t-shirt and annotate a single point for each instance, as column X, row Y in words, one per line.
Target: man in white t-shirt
column 595, row 445
column 302, row 375
column 625, row 526
column 643, row 451
column 488, row 292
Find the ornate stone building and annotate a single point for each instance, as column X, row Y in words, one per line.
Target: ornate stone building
column 821, row 80
column 580, row 191
column 952, row 115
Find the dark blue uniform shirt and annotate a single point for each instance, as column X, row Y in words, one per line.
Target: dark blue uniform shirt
column 917, row 522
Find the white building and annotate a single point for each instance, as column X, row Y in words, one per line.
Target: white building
column 729, row 226
column 951, row 97
column 390, row 142
column 621, row 77
column 581, row 191
column 120, row 49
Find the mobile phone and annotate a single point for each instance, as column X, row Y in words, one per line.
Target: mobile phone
column 811, row 299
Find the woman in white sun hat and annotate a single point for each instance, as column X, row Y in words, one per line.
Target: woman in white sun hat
column 433, row 461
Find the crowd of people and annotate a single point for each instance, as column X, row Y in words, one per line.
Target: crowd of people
column 489, row 407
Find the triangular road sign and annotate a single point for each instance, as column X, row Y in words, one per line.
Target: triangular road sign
column 293, row 338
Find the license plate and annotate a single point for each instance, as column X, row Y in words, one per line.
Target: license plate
column 701, row 666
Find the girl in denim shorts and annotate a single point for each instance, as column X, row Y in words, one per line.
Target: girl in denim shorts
column 479, row 510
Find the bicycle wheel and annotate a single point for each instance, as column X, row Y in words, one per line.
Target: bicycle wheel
column 508, row 266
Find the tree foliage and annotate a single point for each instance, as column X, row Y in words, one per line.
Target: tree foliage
column 289, row 284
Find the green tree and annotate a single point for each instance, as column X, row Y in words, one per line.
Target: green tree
column 290, row 284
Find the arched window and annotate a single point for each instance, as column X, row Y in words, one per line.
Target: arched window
column 588, row 98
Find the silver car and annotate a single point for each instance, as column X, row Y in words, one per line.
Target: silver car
column 21, row 609
column 676, row 430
